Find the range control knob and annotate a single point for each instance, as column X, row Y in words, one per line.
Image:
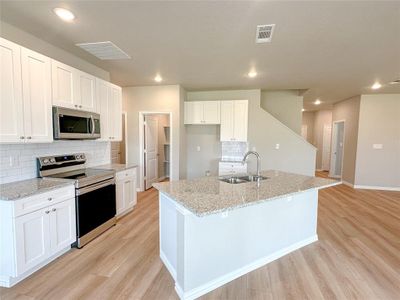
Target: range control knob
column 52, row 160
column 45, row 161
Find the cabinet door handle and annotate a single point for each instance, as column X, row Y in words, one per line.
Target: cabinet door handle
column 76, row 105
column 47, row 211
column 54, row 209
column 21, row 137
column 50, row 198
column 29, row 137
column 80, row 106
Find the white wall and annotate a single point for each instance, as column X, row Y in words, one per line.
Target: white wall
column 154, row 99
column 285, row 105
column 308, row 120
column 379, row 123
column 29, row 41
column 23, row 156
column 264, row 132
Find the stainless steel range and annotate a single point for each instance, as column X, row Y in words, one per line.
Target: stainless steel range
column 94, row 193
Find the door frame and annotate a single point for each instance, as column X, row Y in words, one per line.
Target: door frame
column 333, row 147
column 125, row 113
column 141, row 144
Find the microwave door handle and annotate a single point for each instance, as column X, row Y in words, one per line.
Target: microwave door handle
column 93, row 125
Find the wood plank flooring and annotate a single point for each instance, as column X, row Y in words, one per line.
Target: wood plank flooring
column 357, row 257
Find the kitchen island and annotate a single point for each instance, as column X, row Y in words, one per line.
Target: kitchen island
column 212, row 232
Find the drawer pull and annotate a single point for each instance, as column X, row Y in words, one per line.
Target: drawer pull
column 50, row 198
column 47, row 211
column 54, row 209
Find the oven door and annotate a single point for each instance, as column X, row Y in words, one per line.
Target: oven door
column 72, row 124
column 95, row 210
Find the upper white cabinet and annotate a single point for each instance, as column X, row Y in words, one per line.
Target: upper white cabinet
column 36, row 94
column 25, row 95
column 234, row 120
column 73, row 88
column 109, row 106
column 11, row 107
column 202, row 112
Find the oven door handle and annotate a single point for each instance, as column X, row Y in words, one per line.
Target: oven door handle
column 95, row 186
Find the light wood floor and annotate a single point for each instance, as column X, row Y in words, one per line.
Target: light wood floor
column 357, row 257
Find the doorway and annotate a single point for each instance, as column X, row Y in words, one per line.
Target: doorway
column 118, row 149
column 326, row 147
column 337, row 154
column 155, row 148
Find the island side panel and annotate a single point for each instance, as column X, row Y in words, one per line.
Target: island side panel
column 168, row 233
column 215, row 249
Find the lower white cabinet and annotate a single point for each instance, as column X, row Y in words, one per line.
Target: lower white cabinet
column 126, row 191
column 231, row 168
column 32, row 238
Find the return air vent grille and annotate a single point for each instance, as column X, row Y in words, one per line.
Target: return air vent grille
column 264, row 33
column 104, row 50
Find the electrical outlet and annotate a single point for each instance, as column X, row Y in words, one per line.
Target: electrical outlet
column 277, row 146
column 377, row 146
column 254, row 148
column 198, row 148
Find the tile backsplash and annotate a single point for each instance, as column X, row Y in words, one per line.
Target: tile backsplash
column 18, row 162
column 233, row 151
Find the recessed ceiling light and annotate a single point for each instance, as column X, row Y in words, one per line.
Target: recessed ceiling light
column 64, row 14
column 302, row 109
column 376, row 86
column 158, row 78
column 317, row 102
column 252, row 74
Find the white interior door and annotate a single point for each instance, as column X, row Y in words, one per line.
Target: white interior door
column 151, row 150
column 304, row 130
column 326, row 146
column 337, row 149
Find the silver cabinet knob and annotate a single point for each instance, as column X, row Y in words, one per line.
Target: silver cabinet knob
column 76, row 105
column 29, row 137
column 54, row 209
column 47, row 211
column 21, row 137
column 80, row 106
column 50, row 198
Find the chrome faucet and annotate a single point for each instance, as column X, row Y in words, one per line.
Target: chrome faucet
column 258, row 160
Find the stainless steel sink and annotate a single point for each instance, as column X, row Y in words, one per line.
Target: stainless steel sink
column 242, row 179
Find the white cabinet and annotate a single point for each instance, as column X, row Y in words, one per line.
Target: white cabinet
column 73, row 88
column 11, row 107
column 234, row 120
column 35, row 230
column 36, row 94
column 230, row 168
column 126, row 191
column 32, row 239
column 109, row 106
column 25, row 95
column 202, row 112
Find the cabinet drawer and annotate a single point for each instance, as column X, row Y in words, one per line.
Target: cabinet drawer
column 39, row 201
column 126, row 173
column 226, row 168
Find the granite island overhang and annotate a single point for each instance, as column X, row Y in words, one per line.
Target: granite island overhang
column 212, row 232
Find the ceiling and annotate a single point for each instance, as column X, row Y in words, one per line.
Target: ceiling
column 331, row 49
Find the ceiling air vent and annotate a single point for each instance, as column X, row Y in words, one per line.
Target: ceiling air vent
column 104, row 50
column 264, row 33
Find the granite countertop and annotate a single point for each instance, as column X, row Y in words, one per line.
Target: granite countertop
column 208, row 195
column 116, row 167
column 20, row 189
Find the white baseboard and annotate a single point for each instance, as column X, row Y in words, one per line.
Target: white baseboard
column 348, row 183
column 8, row 281
column 212, row 285
column 381, row 188
column 162, row 178
column 167, row 264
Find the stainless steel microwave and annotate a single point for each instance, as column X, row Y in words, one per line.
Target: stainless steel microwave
column 71, row 124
